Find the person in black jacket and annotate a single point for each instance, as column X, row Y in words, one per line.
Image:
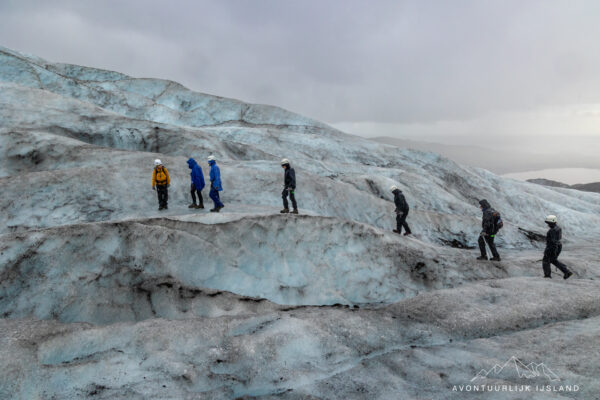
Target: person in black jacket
column 401, row 211
column 490, row 227
column 289, row 186
column 553, row 249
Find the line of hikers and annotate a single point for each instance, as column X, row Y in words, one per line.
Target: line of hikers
column 491, row 224
column 491, row 220
column 161, row 182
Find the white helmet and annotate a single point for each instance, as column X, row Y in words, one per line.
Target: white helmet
column 393, row 188
column 211, row 158
column 285, row 161
column 551, row 219
column 157, row 162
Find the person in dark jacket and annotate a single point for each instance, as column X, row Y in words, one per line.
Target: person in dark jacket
column 197, row 183
column 215, row 184
column 489, row 225
column 401, row 211
column 553, row 249
column 289, row 187
column 161, row 182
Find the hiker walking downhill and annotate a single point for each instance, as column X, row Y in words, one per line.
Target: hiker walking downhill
column 553, row 249
column 197, row 183
column 215, row 184
column 160, row 183
column 491, row 224
column 289, row 187
column 401, row 211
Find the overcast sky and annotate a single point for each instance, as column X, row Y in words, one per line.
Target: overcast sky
column 476, row 72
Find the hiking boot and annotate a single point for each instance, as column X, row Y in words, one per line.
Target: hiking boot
column 200, row 206
column 166, row 207
column 192, row 206
column 397, row 231
column 567, row 275
column 407, row 233
column 285, row 211
column 160, row 208
column 214, row 209
column 295, row 211
column 547, row 276
column 497, row 258
column 482, row 258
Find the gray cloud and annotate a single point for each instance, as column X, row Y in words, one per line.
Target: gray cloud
column 381, row 62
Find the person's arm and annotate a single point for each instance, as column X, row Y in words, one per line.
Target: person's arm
column 167, row 174
column 292, row 179
column 153, row 178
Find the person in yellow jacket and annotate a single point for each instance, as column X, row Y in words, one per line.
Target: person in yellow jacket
column 160, row 183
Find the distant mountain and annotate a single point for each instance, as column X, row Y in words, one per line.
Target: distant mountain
column 584, row 187
column 548, row 182
column 495, row 160
column 587, row 187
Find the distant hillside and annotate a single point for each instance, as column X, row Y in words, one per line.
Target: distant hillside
column 585, row 187
column 548, row 182
column 498, row 161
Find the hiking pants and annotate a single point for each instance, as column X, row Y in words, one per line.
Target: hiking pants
column 193, row 191
column 483, row 239
column 551, row 257
column 284, row 196
column 401, row 222
column 163, row 195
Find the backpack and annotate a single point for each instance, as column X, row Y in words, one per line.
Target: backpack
column 161, row 176
column 498, row 224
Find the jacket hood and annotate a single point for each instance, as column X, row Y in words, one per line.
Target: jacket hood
column 484, row 203
column 191, row 163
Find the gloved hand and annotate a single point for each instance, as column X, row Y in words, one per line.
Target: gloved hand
column 153, row 188
column 483, row 234
column 168, row 185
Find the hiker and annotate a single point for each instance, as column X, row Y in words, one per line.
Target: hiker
column 401, row 211
column 161, row 183
column 215, row 184
column 197, row 183
column 491, row 224
column 553, row 249
column 289, row 186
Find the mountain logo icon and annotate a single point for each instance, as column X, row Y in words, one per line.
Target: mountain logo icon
column 527, row 371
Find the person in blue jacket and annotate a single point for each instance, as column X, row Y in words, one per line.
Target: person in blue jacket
column 215, row 184
column 197, row 183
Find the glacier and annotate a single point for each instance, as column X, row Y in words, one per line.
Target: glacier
column 103, row 296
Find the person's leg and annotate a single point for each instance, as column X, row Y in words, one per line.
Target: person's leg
column 293, row 198
column 285, row 200
column 563, row 268
column 166, row 196
column 490, row 242
column 405, row 224
column 193, row 193
column 218, row 196
column 481, row 243
column 200, row 199
column 398, row 223
column 546, row 267
column 162, row 195
column 213, row 194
